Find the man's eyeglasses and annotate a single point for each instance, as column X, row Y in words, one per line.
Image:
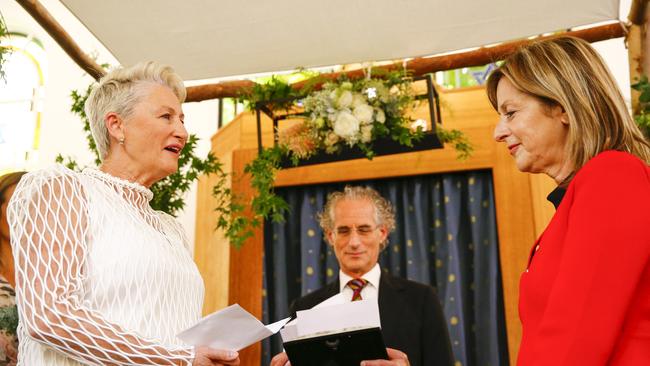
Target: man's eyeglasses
column 362, row 231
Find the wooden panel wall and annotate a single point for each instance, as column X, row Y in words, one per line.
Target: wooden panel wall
column 245, row 285
column 540, row 186
column 521, row 208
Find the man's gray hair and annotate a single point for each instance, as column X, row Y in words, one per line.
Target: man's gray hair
column 120, row 90
column 384, row 212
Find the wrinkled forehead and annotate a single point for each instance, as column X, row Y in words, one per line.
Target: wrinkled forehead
column 354, row 212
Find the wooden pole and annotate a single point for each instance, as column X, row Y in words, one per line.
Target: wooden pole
column 637, row 47
column 56, row 31
column 634, row 54
column 421, row 66
column 224, row 89
column 637, row 12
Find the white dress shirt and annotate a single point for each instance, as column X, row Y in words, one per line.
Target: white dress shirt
column 370, row 291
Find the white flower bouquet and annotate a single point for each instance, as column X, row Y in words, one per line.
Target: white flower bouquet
column 353, row 113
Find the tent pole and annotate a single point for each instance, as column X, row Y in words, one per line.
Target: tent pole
column 56, row 31
column 638, row 47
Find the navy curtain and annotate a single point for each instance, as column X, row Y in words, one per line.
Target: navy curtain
column 445, row 237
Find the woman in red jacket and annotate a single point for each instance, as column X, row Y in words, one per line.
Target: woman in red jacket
column 585, row 296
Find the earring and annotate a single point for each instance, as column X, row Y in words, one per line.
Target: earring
column 121, row 140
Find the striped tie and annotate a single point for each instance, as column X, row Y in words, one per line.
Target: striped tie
column 357, row 285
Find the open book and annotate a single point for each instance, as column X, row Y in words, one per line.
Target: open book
column 335, row 333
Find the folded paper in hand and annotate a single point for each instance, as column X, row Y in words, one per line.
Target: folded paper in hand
column 232, row 329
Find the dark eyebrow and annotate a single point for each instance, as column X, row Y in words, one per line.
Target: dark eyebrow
column 504, row 105
column 172, row 110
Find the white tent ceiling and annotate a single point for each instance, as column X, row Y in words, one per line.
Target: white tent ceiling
column 205, row 39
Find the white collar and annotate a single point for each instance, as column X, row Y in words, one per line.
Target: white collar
column 371, row 276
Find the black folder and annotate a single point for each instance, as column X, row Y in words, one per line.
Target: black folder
column 338, row 349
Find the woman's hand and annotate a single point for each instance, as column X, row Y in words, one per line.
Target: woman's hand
column 206, row 356
column 395, row 358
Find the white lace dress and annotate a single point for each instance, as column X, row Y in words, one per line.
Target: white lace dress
column 102, row 278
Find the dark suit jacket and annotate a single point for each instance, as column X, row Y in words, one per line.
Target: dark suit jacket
column 411, row 318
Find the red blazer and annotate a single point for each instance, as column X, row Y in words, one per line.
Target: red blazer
column 585, row 297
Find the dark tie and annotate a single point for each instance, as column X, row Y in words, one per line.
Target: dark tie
column 357, row 285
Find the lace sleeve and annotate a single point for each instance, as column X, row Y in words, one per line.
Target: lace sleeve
column 49, row 229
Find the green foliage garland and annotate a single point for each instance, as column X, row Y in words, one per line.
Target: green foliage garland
column 267, row 205
column 9, row 319
column 276, row 90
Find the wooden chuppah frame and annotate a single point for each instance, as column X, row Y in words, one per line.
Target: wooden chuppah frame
column 520, row 205
column 418, row 66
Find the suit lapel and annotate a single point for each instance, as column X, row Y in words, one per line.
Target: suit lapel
column 329, row 290
column 333, row 288
column 389, row 298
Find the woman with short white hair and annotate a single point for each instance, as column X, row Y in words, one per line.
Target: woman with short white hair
column 101, row 277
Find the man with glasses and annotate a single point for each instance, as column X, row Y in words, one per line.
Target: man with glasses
column 356, row 223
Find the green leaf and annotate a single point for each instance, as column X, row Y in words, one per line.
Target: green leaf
column 9, row 319
column 645, row 96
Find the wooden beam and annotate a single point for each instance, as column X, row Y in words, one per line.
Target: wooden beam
column 398, row 165
column 224, row 89
column 421, row 66
column 56, row 31
column 485, row 55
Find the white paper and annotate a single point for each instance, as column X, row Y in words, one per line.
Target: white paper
column 290, row 330
column 232, row 329
column 334, row 300
column 349, row 315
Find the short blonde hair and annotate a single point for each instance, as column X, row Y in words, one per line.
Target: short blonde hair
column 568, row 72
column 120, row 90
column 384, row 213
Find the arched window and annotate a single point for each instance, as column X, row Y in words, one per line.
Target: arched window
column 21, row 100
